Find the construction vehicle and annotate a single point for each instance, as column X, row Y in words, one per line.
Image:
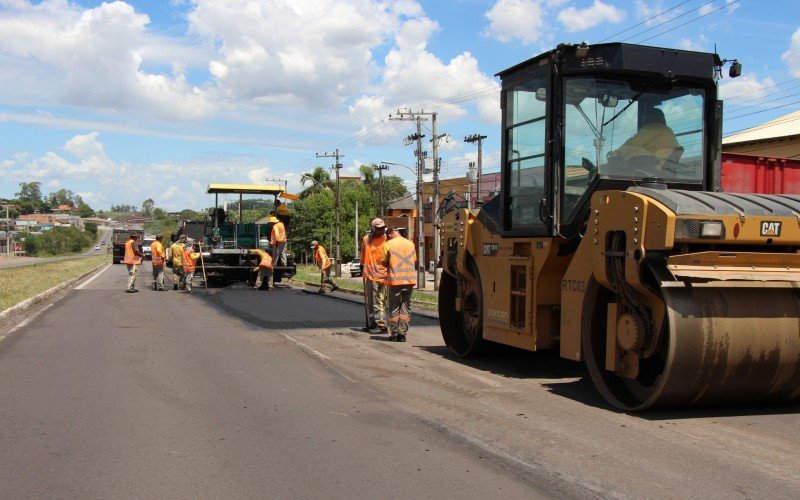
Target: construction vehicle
column 118, row 239
column 226, row 245
column 673, row 293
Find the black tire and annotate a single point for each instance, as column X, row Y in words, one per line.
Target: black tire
column 462, row 331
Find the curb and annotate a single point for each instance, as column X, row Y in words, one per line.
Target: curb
column 21, row 306
column 425, row 313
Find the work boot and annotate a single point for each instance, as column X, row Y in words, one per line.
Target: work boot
column 131, row 290
column 334, row 288
column 154, row 287
column 401, row 338
column 174, row 286
column 321, row 291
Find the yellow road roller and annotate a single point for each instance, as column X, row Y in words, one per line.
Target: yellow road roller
column 611, row 240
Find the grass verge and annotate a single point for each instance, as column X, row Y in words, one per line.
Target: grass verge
column 309, row 274
column 20, row 283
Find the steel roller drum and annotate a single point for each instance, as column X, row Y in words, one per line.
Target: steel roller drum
column 729, row 343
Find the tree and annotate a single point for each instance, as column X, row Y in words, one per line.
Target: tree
column 29, row 197
column 159, row 214
column 317, row 180
column 147, row 207
column 90, row 228
column 63, row 197
column 85, row 210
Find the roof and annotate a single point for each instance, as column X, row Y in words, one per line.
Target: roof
column 779, row 128
column 245, row 188
column 404, row 203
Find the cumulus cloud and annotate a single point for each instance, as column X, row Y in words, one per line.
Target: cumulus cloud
column 89, row 58
column 746, row 87
column 699, row 44
column 521, row 20
column 575, row 19
column 792, row 56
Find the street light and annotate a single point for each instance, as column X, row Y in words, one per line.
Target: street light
column 420, row 237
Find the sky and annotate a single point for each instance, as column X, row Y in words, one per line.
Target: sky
column 124, row 101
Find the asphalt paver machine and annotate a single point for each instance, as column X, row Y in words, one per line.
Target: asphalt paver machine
column 226, row 245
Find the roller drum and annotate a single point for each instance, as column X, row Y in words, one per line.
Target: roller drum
column 730, row 344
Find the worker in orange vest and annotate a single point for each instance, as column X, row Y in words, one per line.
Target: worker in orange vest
column 277, row 240
column 176, row 256
column 400, row 259
column 133, row 259
column 189, row 262
column 264, row 268
column 324, row 264
column 374, row 273
column 158, row 259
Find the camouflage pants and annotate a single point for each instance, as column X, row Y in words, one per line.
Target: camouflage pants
column 399, row 309
column 158, row 277
column 133, row 270
column 375, row 296
column 263, row 274
column 177, row 276
column 187, row 280
column 325, row 278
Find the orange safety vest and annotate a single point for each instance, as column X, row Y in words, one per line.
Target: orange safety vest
column 130, row 255
column 401, row 270
column 372, row 258
column 321, row 258
column 266, row 261
column 278, row 234
column 157, row 253
column 189, row 265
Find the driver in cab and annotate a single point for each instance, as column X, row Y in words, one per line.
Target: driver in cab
column 653, row 145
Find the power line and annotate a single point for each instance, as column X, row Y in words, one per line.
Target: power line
column 734, row 2
column 656, row 26
column 645, row 21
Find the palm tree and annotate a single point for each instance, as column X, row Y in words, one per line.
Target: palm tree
column 318, row 180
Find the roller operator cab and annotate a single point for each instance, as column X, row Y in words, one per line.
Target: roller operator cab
column 611, row 242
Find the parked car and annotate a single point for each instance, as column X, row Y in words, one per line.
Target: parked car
column 146, row 248
column 353, row 267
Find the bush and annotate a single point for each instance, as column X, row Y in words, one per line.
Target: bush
column 58, row 241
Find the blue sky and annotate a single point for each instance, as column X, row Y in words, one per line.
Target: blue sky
column 121, row 102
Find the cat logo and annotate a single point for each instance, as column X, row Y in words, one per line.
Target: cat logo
column 770, row 228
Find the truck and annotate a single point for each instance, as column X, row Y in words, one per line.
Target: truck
column 118, row 239
column 673, row 293
column 226, row 245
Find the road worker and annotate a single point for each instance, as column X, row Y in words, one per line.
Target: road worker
column 133, row 259
column 324, row 264
column 264, row 268
column 277, row 240
column 374, row 272
column 158, row 258
column 176, row 255
column 655, row 140
column 189, row 262
column 399, row 257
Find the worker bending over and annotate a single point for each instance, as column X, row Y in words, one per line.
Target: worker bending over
column 400, row 259
column 324, row 264
column 264, row 268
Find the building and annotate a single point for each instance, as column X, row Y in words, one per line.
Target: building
column 764, row 158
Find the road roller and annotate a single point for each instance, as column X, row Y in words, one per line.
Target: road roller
column 611, row 241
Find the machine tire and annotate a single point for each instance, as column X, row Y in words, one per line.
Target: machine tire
column 460, row 339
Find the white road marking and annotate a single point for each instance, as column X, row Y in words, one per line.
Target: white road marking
column 82, row 285
column 309, row 349
column 26, row 322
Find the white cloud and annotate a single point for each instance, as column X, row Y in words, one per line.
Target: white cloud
column 90, row 58
column 581, row 19
column 521, row 20
column 700, row 44
column 54, row 184
column 792, row 56
column 169, row 193
column 706, row 9
column 745, row 87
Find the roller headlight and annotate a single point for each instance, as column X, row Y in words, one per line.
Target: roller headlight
column 712, row 229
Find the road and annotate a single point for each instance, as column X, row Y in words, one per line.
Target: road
column 253, row 394
column 103, row 236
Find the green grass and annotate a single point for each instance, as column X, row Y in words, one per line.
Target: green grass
column 310, row 274
column 20, row 283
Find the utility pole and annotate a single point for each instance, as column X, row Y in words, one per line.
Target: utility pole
column 356, row 255
column 420, row 235
column 380, row 168
column 479, row 139
column 436, row 164
column 8, row 235
column 337, row 166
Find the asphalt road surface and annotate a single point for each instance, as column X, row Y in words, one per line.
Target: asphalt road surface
column 275, row 394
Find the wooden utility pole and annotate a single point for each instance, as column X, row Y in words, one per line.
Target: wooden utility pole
column 337, row 166
column 479, row 139
column 380, row 168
